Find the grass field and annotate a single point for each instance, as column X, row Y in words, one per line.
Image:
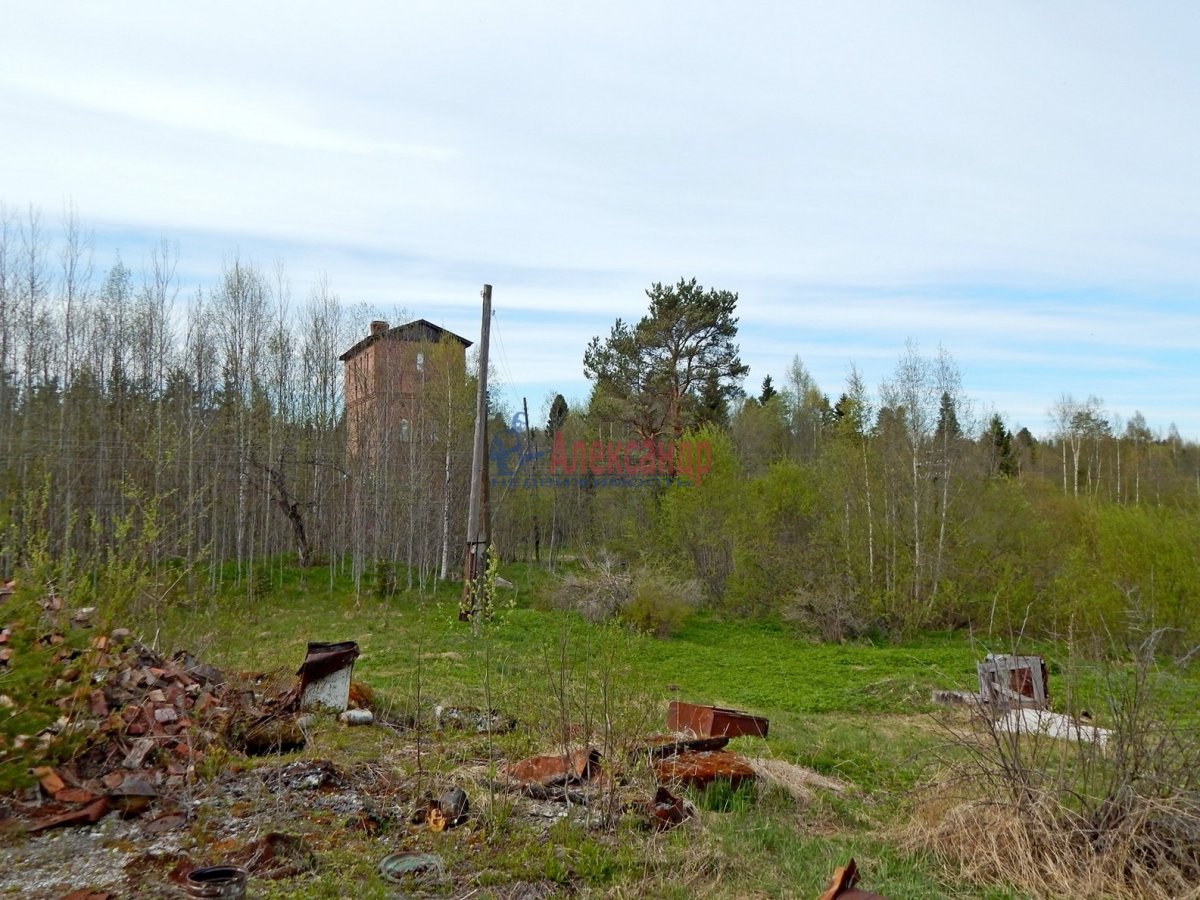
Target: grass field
column 857, row 712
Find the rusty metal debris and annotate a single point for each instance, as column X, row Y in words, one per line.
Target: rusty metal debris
column 325, row 674
column 842, row 886
column 666, row 810
column 556, row 769
column 714, row 721
column 447, row 810
column 660, row 746
column 700, row 768
column 226, row 882
column 88, row 815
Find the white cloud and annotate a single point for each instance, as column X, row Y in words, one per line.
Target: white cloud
column 1018, row 182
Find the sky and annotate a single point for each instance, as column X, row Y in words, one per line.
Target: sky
column 1017, row 183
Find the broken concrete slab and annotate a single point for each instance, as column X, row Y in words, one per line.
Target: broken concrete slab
column 1025, row 720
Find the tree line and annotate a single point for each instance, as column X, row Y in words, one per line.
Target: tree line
column 205, row 431
column 894, row 510
column 202, row 433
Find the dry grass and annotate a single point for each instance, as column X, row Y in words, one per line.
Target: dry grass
column 1069, row 816
column 1150, row 852
column 798, row 781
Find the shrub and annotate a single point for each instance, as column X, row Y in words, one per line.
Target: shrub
column 660, row 604
column 384, row 579
column 830, row 615
column 598, row 593
column 645, row 599
column 1077, row 817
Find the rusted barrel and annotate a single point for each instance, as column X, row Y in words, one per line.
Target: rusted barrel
column 224, row 882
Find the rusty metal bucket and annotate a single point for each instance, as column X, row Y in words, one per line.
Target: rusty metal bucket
column 224, row 882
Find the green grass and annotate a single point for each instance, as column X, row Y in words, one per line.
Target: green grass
column 854, row 711
column 859, row 712
column 28, row 697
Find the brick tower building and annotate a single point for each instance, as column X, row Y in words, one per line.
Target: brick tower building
column 384, row 379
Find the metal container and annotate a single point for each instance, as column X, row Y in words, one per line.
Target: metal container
column 1006, row 681
column 714, row 721
column 325, row 674
column 224, row 882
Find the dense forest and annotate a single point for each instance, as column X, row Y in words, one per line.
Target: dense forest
column 157, row 440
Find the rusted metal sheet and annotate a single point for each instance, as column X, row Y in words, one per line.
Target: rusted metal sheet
column 557, row 768
column 714, row 721
column 325, row 674
column 842, row 886
column 660, row 746
column 693, row 768
column 88, row 815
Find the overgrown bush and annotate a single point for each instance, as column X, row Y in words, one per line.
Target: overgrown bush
column 384, row 579
column 645, row 599
column 829, row 615
column 1076, row 817
column 660, row 605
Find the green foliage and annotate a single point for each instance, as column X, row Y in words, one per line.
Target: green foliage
column 660, row 604
column 384, row 577
column 480, row 603
column 694, row 517
column 32, row 689
column 1003, row 460
column 646, row 599
column 772, row 529
column 676, row 367
column 558, row 415
column 1133, row 564
column 722, row 797
column 768, row 391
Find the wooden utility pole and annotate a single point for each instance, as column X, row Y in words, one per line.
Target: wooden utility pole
column 475, row 564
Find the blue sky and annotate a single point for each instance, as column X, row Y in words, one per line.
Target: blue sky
column 1017, row 182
